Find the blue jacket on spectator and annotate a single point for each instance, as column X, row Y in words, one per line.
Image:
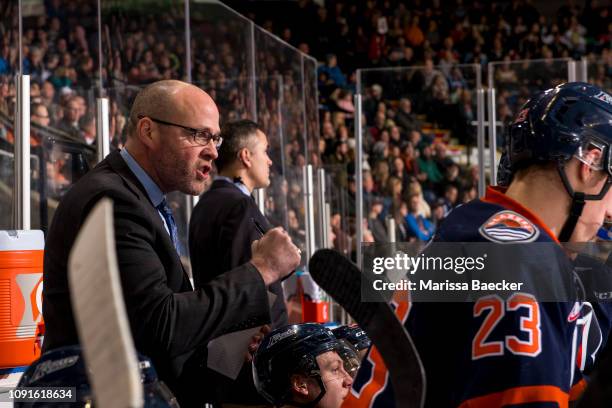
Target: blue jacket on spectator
column 417, row 230
column 335, row 74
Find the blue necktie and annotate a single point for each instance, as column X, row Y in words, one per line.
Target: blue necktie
column 166, row 212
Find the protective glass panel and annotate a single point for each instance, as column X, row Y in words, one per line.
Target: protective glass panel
column 269, row 117
column 296, row 208
column 221, row 50
column 142, row 41
column 419, row 141
column 274, row 58
column 516, row 81
column 312, row 139
column 57, row 163
column 600, row 72
column 9, row 66
column 341, row 209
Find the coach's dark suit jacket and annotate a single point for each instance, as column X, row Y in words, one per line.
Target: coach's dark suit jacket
column 220, row 235
column 170, row 322
column 221, row 231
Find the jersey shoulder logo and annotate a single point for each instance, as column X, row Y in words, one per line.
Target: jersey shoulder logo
column 508, row 226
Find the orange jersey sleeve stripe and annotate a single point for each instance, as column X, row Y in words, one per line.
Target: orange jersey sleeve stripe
column 577, row 390
column 520, row 395
column 377, row 383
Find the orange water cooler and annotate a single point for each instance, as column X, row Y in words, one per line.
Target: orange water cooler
column 21, row 325
column 315, row 303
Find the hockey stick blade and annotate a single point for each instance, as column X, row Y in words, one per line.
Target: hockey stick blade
column 341, row 279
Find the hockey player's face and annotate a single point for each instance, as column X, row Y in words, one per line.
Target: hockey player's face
column 336, row 380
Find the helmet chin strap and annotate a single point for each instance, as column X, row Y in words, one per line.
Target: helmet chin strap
column 578, row 201
column 572, row 219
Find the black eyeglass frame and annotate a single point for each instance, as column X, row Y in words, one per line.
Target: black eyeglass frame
column 200, row 137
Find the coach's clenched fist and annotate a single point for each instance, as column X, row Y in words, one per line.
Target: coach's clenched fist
column 274, row 255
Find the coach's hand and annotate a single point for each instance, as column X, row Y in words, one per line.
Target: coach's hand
column 274, row 255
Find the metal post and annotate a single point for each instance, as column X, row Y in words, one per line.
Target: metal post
column 100, row 52
column 571, row 71
column 309, row 214
column 391, row 229
column 326, row 228
column 253, row 80
column 358, row 177
column 102, row 128
column 304, row 116
column 584, row 69
column 187, row 42
column 321, row 204
column 492, row 135
column 190, row 201
column 281, row 136
column 21, row 212
column 20, row 39
column 481, row 142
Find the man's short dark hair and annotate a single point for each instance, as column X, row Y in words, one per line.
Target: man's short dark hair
column 235, row 138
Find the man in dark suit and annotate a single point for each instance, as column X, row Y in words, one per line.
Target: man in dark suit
column 223, row 224
column 172, row 141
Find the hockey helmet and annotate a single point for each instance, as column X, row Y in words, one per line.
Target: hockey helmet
column 293, row 350
column 354, row 335
column 65, row 367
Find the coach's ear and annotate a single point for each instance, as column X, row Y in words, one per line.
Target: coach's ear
column 244, row 155
column 299, row 384
column 144, row 131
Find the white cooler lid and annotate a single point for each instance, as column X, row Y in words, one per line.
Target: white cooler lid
column 12, row 240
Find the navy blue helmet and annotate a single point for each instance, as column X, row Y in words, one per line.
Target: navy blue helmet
column 354, row 335
column 65, row 367
column 556, row 125
column 293, row 350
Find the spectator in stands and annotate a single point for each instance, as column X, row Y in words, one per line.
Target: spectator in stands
column 69, row 123
column 415, row 188
column 418, row 226
column 333, row 72
column 375, row 222
column 87, row 126
column 369, row 195
column 451, row 193
column 40, row 115
column 441, row 156
column 438, row 213
column 410, row 160
column 430, row 174
column 405, row 118
column 402, row 234
column 296, row 232
column 342, row 240
column 370, row 104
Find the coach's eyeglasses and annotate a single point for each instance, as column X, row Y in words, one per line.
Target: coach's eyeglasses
column 200, row 137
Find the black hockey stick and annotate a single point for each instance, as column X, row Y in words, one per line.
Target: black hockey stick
column 341, row 279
